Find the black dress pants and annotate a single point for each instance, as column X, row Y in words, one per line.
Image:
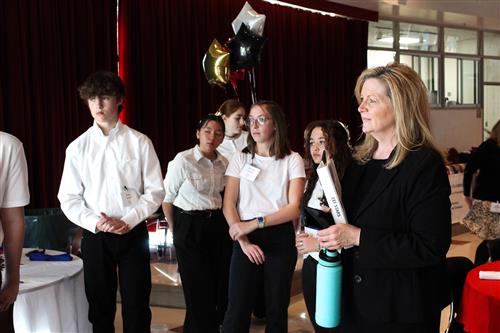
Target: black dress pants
column 202, row 247
column 278, row 245
column 309, row 289
column 107, row 259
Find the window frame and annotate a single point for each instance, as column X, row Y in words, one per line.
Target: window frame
column 441, row 56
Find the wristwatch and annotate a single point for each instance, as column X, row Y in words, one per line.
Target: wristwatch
column 261, row 221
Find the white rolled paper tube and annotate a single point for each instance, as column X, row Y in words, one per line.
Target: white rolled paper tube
column 489, row 275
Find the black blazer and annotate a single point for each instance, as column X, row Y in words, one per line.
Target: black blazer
column 398, row 273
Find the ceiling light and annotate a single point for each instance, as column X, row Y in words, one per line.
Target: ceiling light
column 286, row 4
column 402, row 40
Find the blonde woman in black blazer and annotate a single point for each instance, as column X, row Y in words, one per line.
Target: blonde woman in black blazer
column 396, row 196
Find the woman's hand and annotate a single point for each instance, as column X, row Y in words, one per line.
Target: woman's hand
column 339, row 236
column 306, row 243
column 240, row 229
column 252, row 251
column 326, row 209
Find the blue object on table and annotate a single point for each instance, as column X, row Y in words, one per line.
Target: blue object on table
column 37, row 255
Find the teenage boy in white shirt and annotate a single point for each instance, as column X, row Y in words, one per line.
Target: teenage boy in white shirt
column 111, row 183
column 14, row 195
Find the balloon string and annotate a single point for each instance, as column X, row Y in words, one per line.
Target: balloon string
column 253, row 90
column 235, row 91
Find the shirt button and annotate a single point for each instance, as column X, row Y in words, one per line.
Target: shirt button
column 357, row 279
column 356, row 255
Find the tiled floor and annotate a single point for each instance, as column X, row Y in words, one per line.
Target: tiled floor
column 166, row 289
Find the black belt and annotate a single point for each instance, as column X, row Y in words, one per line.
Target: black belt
column 207, row 213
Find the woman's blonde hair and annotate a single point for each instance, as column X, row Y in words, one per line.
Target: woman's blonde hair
column 408, row 96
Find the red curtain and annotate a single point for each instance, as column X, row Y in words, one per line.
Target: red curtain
column 309, row 65
column 47, row 49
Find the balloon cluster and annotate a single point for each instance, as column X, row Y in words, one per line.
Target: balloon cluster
column 228, row 63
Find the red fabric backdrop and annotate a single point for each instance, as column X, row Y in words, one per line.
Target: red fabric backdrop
column 47, row 49
column 309, row 65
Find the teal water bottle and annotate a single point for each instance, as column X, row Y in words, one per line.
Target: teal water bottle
column 328, row 289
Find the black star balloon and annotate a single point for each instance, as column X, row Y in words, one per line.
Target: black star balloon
column 245, row 48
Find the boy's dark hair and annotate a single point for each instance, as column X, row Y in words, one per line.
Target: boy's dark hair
column 102, row 83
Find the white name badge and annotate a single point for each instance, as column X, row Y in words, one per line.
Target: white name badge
column 249, row 172
column 495, row 207
column 127, row 197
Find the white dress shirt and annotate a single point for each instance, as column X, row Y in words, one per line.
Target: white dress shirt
column 193, row 182
column 14, row 190
column 230, row 146
column 118, row 175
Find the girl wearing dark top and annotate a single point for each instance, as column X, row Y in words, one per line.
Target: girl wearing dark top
column 332, row 138
column 486, row 162
column 396, row 196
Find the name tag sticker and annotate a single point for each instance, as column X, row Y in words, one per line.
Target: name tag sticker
column 495, row 207
column 127, row 197
column 249, row 172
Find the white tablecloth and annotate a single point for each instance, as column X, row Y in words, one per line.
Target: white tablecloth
column 51, row 297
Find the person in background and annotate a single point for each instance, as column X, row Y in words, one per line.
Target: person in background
column 396, row 196
column 485, row 161
column 233, row 113
column 265, row 184
column 14, row 195
column 111, row 183
column 192, row 207
column 332, row 138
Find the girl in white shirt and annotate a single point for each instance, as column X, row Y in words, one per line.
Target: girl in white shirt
column 265, row 184
column 233, row 113
column 332, row 138
column 192, row 207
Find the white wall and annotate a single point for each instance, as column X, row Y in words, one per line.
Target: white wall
column 459, row 128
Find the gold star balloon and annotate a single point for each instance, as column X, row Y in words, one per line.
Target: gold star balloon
column 216, row 64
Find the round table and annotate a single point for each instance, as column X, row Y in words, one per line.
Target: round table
column 51, row 296
column 480, row 306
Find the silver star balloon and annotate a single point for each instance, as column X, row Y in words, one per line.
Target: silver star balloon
column 253, row 20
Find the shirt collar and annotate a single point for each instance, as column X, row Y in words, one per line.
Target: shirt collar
column 113, row 131
column 198, row 155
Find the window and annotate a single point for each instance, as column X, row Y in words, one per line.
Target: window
column 461, row 81
column 460, row 41
column 418, row 37
column 427, row 68
column 491, row 70
column 491, row 42
column 380, row 34
column 434, row 51
column 380, row 58
column 491, row 109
